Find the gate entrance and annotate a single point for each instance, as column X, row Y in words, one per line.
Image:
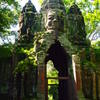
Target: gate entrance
column 52, row 82
column 57, row 83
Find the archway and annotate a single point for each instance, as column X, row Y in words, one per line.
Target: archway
column 51, row 81
column 60, row 59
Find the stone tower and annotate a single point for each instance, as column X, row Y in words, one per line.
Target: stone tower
column 54, row 42
column 76, row 26
column 27, row 23
column 57, row 44
column 25, row 81
column 54, row 45
column 63, row 34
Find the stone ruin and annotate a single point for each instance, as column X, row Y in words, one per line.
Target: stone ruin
column 27, row 23
column 63, row 34
column 60, row 36
column 56, row 36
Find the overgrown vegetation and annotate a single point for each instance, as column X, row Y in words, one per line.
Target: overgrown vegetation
column 9, row 13
column 27, row 59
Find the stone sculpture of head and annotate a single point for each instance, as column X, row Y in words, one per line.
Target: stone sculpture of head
column 52, row 21
column 54, row 15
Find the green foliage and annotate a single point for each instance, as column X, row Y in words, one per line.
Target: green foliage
column 96, row 48
column 53, row 92
column 89, row 53
column 9, row 11
column 53, row 88
column 40, row 1
column 89, row 65
column 51, row 71
column 27, row 59
column 68, row 3
column 6, row 51
column 96, row 44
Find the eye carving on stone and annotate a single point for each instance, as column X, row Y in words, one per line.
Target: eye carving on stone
column 50, row 17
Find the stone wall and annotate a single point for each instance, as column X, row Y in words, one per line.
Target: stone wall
column 87, row 77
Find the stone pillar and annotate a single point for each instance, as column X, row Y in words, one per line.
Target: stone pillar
column 98, row 84
column 95, row 76
column 77, row 71
column 94, row 85
column 41, row 83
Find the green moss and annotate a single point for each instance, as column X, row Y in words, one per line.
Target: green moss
column 5, row 52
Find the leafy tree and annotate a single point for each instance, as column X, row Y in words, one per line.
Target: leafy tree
column 91, row 13
column 9, row 11
column 5, row 51
column 26, row 58
column 40, row 1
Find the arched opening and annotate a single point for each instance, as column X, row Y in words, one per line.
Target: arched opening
column 60, row 59
column 52, row 81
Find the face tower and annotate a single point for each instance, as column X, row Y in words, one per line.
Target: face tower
column 54, row 19
column 57, row 43
column 27, row 23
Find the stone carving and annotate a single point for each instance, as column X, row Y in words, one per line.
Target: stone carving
column 53, row 4
column 55, row 42
column 51, row 45
column 54, row 21
column 27, row 23
column 26, row 81
column 76, row 26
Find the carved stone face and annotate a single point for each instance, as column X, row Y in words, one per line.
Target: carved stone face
column 52, row 21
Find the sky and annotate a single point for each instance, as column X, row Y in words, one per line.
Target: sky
column 35, row 2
